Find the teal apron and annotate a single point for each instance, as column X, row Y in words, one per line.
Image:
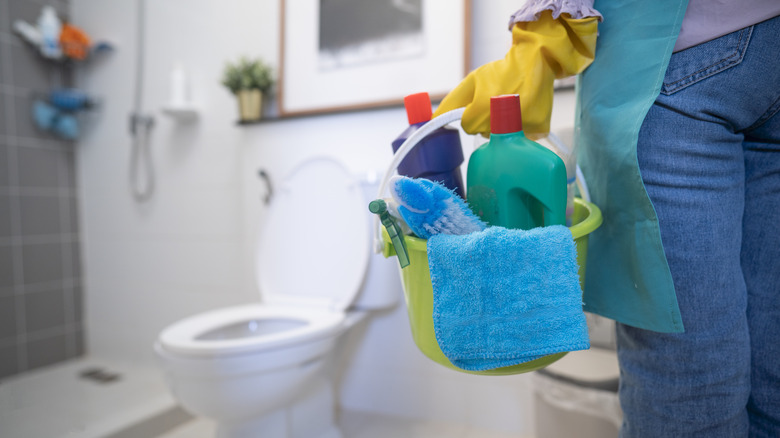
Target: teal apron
column 628, row 278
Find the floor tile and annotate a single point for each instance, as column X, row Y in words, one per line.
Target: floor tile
column 364, row 425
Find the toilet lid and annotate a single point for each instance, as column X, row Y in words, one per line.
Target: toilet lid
column 314, row 247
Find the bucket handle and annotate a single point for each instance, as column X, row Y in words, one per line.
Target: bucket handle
column 565, row 150
column 424, row 131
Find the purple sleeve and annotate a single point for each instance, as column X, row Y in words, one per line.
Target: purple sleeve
column 532, row 10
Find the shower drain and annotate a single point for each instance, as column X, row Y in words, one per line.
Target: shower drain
column 99, row 375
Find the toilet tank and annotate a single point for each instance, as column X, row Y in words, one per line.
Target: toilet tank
column 382, row 285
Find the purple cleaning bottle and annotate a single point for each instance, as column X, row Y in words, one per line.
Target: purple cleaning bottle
column 438, row 156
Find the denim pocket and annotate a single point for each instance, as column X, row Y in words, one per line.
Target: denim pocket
column 699, row 62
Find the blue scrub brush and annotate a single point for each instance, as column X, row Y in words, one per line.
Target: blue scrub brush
column 429, row 208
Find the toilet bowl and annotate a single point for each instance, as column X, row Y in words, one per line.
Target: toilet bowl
column 261, row 369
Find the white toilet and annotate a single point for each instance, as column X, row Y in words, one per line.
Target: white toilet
column 259, row 370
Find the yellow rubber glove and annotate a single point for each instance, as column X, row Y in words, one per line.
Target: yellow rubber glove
column 542, row 51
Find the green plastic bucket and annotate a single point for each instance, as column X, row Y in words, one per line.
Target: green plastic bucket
column 418, row 291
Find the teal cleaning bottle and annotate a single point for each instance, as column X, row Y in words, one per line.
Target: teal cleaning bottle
column 438, row 156
column 512, row 181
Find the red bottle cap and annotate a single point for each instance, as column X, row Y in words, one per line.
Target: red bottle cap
column 505, row 114
column 418, row 107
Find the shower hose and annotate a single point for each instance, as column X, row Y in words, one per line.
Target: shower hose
column 141, row 175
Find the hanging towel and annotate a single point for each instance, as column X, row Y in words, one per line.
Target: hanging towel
column 503, row 297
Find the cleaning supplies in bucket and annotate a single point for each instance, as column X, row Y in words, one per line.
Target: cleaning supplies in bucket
column 419, row 294
column 498, row 358
column 425, row 208
column 500, row 297
column 513, row 181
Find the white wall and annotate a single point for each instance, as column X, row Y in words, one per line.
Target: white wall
column 152, row 263
column 187, row 249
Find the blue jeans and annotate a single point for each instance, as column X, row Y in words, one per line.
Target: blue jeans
column 709, row 155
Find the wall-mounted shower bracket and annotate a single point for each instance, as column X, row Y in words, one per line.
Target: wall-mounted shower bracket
column 181, row 113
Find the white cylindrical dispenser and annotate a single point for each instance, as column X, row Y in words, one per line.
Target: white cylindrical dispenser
column 179, row 84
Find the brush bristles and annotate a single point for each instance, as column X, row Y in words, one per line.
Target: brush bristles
column 429, row 208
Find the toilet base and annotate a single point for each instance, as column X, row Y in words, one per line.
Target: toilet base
column 311, row 416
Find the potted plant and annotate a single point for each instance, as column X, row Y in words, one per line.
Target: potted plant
column 248, row 80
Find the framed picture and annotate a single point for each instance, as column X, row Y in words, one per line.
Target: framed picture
column 339, row 55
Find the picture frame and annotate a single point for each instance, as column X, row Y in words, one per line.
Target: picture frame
column 342, row 55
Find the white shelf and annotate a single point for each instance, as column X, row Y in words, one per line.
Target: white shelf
column 181, row 112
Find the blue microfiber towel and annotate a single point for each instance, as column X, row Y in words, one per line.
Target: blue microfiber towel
column 503, row 297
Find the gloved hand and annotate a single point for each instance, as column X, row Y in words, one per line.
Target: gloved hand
column 542, row 51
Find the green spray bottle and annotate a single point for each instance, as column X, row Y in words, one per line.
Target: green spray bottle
column 512, row 181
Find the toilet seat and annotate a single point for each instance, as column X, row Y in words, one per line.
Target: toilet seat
column 266, row 327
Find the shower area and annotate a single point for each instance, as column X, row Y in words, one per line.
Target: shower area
column 50, row 384
column 144, row 218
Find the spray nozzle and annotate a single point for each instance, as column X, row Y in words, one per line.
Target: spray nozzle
column 379, row 208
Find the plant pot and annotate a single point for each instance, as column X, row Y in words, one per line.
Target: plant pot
column 250, row 103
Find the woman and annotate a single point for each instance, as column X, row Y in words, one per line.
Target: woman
column 678, row 135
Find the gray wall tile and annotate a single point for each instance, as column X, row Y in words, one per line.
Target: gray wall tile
column 30, row 70
column 44, row 310
column 62, row 7
column 46, row 351
column 5, row 73
column 73, row 214
column 3, row 97
column 77, row 296
column 79, row 342
column 68, row 166
column 27, row 10
column 38, row 167
column 71, row 267
column 9, row 360
column 42, row 262
column 25, row 124
column 5, row 20
column 40, row 215
column 5, row 215
column 4, row 158
column 8, row 329
column 75, row 261
column 6, row 269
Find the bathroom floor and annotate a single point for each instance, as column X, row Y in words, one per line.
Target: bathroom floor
column 84, row 398
column 93, row 398
column 365, row 425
